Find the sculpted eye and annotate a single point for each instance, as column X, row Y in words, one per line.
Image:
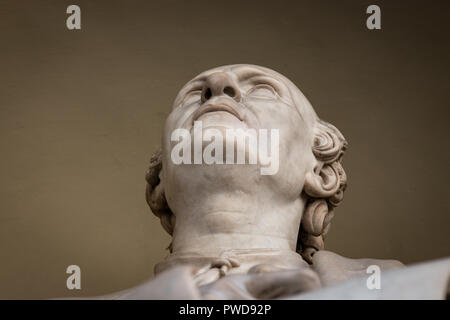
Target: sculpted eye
column 192, row 96
column 263, row 91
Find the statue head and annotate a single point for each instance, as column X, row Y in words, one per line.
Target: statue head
column 301, row 194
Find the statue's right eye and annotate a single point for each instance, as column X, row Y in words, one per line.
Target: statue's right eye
column 192, row 96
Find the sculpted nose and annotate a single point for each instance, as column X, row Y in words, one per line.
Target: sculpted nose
column 220, row 84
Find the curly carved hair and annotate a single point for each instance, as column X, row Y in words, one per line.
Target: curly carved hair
column 324, row 189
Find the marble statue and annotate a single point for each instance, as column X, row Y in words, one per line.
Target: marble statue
column 240, row 234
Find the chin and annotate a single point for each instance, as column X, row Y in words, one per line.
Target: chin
column 217, row 178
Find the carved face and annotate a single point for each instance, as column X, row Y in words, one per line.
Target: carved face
column 246, row 97
column 250, row 97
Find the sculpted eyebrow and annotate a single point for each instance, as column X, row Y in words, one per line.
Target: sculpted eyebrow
column 247, row 73
column 196, row 84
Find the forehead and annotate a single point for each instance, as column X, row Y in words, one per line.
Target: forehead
column 242, row 72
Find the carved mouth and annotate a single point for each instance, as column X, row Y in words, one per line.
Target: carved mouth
column 217, row 107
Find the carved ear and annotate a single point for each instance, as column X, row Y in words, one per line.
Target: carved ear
column 154, row 193
column 323, row 182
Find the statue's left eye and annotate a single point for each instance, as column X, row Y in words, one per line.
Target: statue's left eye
column 262, row 91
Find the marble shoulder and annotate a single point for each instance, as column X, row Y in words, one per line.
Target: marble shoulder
column 333, row 268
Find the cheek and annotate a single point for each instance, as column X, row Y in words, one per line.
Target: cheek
column 274, row 114
column 295, row 161
column 296, row 146
column 295, row 136
column 180, row 117
column 296, row 143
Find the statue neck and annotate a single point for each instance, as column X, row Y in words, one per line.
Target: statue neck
column 259, row 226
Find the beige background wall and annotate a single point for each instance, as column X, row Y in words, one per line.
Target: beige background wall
column 81, row 112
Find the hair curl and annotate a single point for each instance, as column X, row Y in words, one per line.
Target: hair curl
column 324, row 189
